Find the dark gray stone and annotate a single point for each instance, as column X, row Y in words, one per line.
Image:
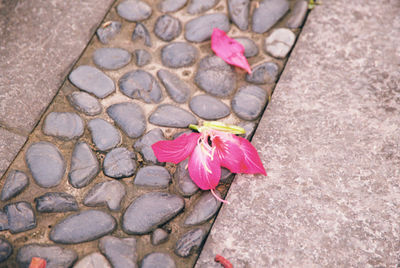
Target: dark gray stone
column 200, row 6
column 268, row 13
column 204, row 209
column 280, row 42
column 149, row 211
column 167, row 27
column 189, row 242
column 159, row 236
column 143, row 145
column 226, row 175
column 108, row 30
column 111, row 58
column 119, row 163
column 239, row 13
column 92, row 80
column 249, row 102
column 93, row 260
column 140, row 84
column 129, row 117
column 263, row 73
column 185, row 184
column 171, row 5
column 167, row 115
column 108, row 193
column 208, row 107
column 157, row 259
column 104, row 135
column 20, row 217
column 215, row 76
column 82, row 227
column 250, row 127
column 55, row 256
column 153, row 176
column 134, row 10
column 177, row 89
column 179, row 54
column 46, row 164
column 121, row 252
column 16, row 181
column 3, row 221
column 141, row 32
column 142, row 57
column 5, row 249
column 84, row 166
column 56, row 202
column 85, row 103
column 200, row 29
column 66, row 126
column 250, row 48
column 297, row 14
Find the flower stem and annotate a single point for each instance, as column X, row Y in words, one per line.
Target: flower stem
column 218, row 198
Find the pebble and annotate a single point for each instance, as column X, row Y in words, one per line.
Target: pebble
column 189, row 242
column 268, row 13
column 215, row 76
column 16, row 181
column 142, row 57
column 249, row 127
column 111, row 58
column 3, row 221
column 94, row 260
column 167, row 115
column 208, row 107
column 84, row 226
column 263, row 73
column 179, row 54
column 134, row 10
column 108, row 30
column 157, row 259
column 46, row 164
column 167, row 27
column 280, row 42
column 203, row 210
column 200, row 29
column 158, row 236
column 104, row 135
column 250, row 48
column 129, row 117
column 143, row 145
column 140, row 84
column 84, row 166
column 297, row 14
column 66, row 126
column 108, row 193
column 55, row 256
column 85, row 103
column 121, row 252
column 141, row 32
column 119, row 163
column 171, row 5
column 92, row 80
column 153, row 176
column 20, row 217
column 56, row 202
column 249, row 102
column 200, row 6
column 5, row 249
column 239, row 13
column 149, row 211
column 226, row 175
column 186, row 187
column 176, row 88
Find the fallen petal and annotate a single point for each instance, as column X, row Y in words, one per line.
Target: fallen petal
column 229, row 152
column 252, row 163
column 37, row 262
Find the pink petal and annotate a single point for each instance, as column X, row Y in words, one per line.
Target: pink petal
column 228, row 49
column 252, row 163
column 176, row 150
column 229, row 153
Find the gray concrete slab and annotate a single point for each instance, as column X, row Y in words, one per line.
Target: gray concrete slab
column 330, row 141
column 10, row 144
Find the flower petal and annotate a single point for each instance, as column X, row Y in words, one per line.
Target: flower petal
column 176, row 150
column 252, row 162
column 230, row 154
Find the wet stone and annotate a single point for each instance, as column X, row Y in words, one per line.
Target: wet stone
column 94, row 260
column 297, row 14
column 5, row 249
column 66, row 126
column 84, row 166
column 250, row 48
column 149, row 211
column 142, row 57
column 215, row 76
column 82, row 227
column 178, row 55
column 119, row 163
column 134, row 10
column 111, row 58
column 141, row 32
column 171, row 5
column 121, row 252
column 20, row 217
column 159, row 236
column 189, row 242
column 157, row 259
column 177, row 89
column 45, row 163
column 85, row 103
column 92, row 80
column 204, row 209
column 185, row 185
column 167, row 115
column 263, row 73
column 268, row 13
column 16, row 181
column 108, row 193
column 153, row 176
column 140, row 84
column 143, row 145
column 3, row 221
column 55, row 256
column 200, row 6
column 129, row 117
column 107, row 31
column 104, row 135
column 239, row 13
column 200, row 29
column 208, row 107
column 167, row 27
column 56, row 202
column 280, row 42
column 249, row 102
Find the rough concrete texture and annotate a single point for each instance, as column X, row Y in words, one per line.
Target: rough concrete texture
column 10, row 143
column 330, row 141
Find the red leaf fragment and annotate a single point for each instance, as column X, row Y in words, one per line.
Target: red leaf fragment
column 224, row 262
column 37, row 262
